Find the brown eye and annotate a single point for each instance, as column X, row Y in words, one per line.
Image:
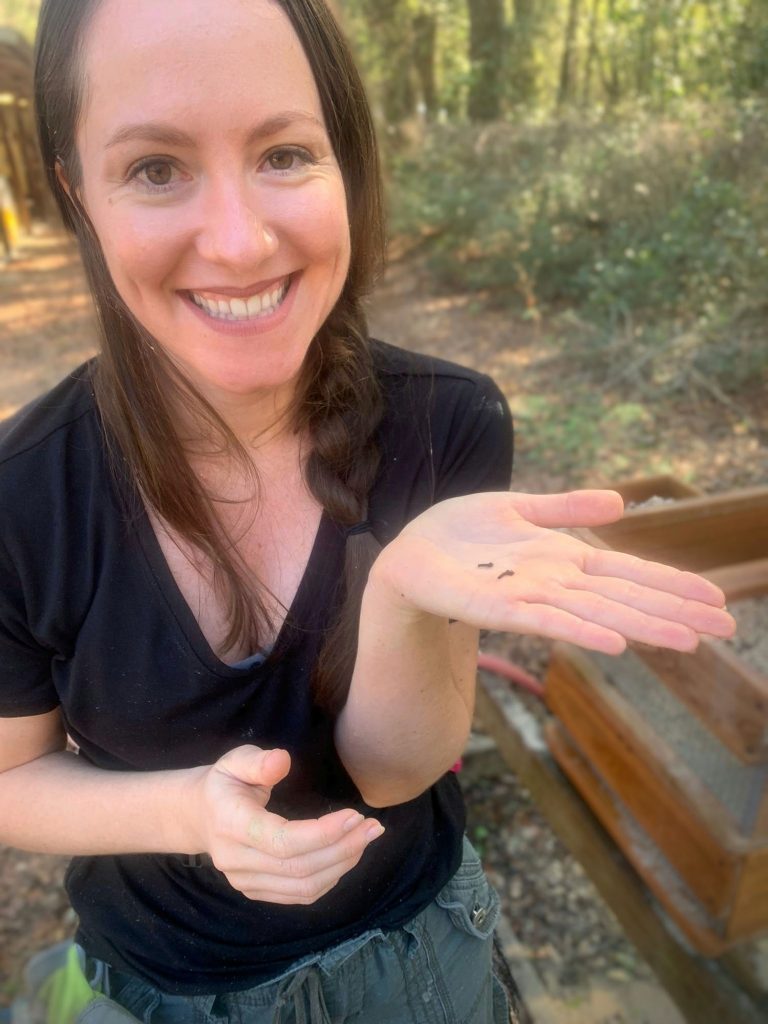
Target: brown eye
column 159, row 173
column 282, row 160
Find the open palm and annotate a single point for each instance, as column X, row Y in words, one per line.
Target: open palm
column 499, row 561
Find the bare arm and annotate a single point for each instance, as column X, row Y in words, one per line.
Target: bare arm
column 411, row 701
column 492, row 561
column 53, row 802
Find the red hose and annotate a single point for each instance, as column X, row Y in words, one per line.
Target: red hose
column 508, row 670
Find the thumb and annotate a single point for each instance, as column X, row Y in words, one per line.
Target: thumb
column 576, row 508
column 254, row 766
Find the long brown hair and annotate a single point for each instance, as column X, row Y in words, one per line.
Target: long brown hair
column 338, row 403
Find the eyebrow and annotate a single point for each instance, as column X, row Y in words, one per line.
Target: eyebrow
column 165, row 134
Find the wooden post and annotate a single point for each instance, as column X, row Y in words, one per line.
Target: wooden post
column 15, row 164
column 36, row 186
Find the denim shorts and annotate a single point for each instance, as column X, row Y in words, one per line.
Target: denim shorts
column 436, row 969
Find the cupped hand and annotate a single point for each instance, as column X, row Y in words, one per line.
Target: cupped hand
column 499, row 561
column 266, row 856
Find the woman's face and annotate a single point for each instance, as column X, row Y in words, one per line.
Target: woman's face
column 211, row 182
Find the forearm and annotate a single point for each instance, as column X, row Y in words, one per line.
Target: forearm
column 60, row 804
column 411, row 700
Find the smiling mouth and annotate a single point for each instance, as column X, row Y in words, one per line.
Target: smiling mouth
column 250, row 307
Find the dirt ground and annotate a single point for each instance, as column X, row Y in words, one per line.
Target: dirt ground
column 47, row 327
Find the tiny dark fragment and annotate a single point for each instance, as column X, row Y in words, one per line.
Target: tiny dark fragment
column 485, row 565
column 451, row 621
column 507, row 572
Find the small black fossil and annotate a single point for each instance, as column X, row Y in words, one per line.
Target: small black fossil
column 507, row 572
column 485, row 565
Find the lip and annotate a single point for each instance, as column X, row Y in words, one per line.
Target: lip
column 246, row 328
column 241, row 293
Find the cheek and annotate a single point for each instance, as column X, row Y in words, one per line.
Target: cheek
column 137, row 250
column 319, row 224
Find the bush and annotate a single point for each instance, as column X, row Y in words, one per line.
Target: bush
column 638, row 224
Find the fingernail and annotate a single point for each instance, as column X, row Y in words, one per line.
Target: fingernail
column 352, row 821
column 374, row 832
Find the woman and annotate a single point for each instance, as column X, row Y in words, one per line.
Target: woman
column 262, row 818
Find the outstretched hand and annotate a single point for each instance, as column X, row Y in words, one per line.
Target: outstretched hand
column 263, row 855
column 498, row 561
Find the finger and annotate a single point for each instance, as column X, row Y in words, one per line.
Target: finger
column 254, row 766
column 627, row 621
column 556, row 624
column 281, row 889
column 574, row 508
column 284, row 839
column 272, row 859
column 703, row 618
column 653, row 574
column 309, row 865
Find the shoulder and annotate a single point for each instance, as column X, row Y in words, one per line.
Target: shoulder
column 49, row 419
column 47, row 483
column 443, row 395
column 48, row 450
column 446, row 431
column 395, row 364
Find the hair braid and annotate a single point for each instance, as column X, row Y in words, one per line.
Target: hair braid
column 342, row 409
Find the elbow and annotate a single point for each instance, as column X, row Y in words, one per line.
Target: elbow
column 380, row 792
column 379, row 798
column 388, row 778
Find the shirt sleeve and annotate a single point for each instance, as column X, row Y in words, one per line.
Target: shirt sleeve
column 478, row 453
column 26, row 683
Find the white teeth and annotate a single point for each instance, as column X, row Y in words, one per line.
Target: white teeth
column 242, row 309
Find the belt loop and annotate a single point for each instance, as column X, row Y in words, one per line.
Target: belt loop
column 98, row 976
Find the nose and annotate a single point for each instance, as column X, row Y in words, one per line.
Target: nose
column 234, row 226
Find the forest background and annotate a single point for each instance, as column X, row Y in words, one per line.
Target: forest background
column 597, row 169
column 599, row 166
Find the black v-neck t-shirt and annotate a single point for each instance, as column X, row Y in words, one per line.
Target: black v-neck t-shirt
column 92, row 621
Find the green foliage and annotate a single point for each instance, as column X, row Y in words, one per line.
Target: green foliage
column 569, row 434
column 543, row 54
column 480, row 836
column 647, row 227
column 21, row 15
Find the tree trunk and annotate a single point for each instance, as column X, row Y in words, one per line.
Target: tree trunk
column 567, row 88
column 424, row 51
column 593, row 54
column 753, row 50
column 522, row 72
column 612, row 81
column 486, row 53
column 390, row 26
column 647, row 51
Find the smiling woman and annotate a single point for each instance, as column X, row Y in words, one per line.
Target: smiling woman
column 243, row 548
column 190, row 190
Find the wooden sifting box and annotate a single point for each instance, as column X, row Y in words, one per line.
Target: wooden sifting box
column 725, row 538
column 675, row 808
column 671, row 750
